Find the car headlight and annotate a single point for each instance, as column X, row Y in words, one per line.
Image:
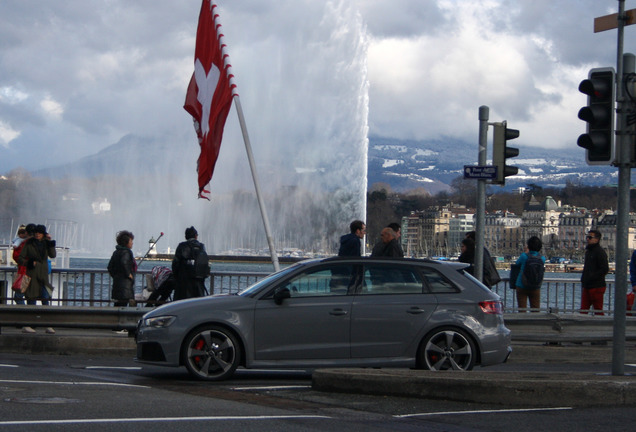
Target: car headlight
column 159, row 322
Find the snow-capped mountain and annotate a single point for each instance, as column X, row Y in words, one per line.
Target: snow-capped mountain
column 402, row 164
column 433, row 165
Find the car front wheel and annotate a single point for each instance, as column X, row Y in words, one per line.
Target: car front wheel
column 211, row 353
column 447, row 349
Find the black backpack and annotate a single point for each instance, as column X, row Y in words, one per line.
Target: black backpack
column 201, row 262
column 194, row 261
column 532, row 276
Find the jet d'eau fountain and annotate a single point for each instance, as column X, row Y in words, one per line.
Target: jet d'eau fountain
column 303, row 83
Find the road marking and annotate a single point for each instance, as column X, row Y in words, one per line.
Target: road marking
column 9, row 365
column 631, row 365
column 272, row 387
column 444, row 413
column 114, row 367
column 87, row 383
column 160, row 419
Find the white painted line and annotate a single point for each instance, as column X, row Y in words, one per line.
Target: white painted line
column 114, row 367
column 9, row 365
column 86, row 383
column 630, row 364
column 161, row 419
column 272, row 387
column 444, row 413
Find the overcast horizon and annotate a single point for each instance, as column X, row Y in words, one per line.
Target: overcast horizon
column 77, row 76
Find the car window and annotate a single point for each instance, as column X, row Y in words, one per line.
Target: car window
column 255, row 288
column 437, row 283
column 324, row 281
column 389, row 279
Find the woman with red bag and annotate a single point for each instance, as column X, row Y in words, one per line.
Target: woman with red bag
column 34, row 256
column 18, row 244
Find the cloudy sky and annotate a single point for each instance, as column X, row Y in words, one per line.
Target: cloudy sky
column 77, row 75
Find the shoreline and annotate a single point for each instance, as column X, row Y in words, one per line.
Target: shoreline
column 232, row 258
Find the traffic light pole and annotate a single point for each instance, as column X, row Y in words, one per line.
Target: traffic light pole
column 484, row 112
column 623, row 156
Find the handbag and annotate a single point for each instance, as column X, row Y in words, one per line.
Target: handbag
column 24, row 284
column 17, row 282
column 21, row 283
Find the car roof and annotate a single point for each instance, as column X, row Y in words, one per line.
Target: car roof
column 363, row 259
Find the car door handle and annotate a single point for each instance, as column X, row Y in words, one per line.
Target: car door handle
column 415, row 310
column 338, row 312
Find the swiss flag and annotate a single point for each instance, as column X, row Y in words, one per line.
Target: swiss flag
column 209, row 95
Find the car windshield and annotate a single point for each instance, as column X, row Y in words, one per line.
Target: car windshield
column 252, row 289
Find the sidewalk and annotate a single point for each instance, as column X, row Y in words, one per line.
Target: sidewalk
column 527, row 389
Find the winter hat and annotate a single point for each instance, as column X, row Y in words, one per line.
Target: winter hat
column 40, row 229
column 190, row 233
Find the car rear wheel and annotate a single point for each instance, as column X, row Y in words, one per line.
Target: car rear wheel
column 448, row 349
column 211, row 353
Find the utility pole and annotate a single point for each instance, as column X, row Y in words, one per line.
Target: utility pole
column 624, row 64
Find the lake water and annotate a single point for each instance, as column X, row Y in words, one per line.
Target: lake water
column 230, row 266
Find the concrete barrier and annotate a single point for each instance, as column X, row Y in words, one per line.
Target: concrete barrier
column 530, row 327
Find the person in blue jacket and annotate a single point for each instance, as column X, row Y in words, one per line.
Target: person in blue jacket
column 524, row 294
column 350, row 244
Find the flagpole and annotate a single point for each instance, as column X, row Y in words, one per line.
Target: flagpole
column 246, row 140
column 261, row 203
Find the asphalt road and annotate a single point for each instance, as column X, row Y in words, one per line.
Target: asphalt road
column 78, row 393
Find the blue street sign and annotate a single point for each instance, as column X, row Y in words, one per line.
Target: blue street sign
column 480, row 172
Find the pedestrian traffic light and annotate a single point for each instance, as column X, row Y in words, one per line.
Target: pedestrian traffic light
column 501, row 151
column 599, row 115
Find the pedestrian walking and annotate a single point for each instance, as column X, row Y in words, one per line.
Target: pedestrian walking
column 531, row 270
column 122, row 268
column 190, row 266
column 595, row 267
column 34, row 256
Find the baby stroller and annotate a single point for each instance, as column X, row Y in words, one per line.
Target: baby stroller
column 160, row 283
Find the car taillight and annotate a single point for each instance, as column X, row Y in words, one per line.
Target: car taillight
column 491, row 307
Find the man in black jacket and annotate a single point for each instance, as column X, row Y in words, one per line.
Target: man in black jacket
column 595, row 267
column 190, row 267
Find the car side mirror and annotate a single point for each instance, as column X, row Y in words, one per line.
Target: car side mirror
column 281, row 294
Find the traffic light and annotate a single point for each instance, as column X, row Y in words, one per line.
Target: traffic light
column 501, row 151
column 599, row 115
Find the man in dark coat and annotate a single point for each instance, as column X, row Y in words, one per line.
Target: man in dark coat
column 122, row 268
column 190, row 267
column 350, row 243
column 595, row 267
column 388, row 245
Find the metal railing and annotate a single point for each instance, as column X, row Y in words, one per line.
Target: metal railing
column 92, row 287
column 558, row 295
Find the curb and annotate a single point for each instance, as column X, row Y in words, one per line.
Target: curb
column 102, row 343
column 513, row 388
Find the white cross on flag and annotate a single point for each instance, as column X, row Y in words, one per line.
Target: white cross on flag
column 209, row 95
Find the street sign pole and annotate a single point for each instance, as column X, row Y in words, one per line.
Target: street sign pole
column 481, row 194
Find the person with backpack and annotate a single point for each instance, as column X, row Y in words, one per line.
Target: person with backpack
column 531, row 270
column 190, row 267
